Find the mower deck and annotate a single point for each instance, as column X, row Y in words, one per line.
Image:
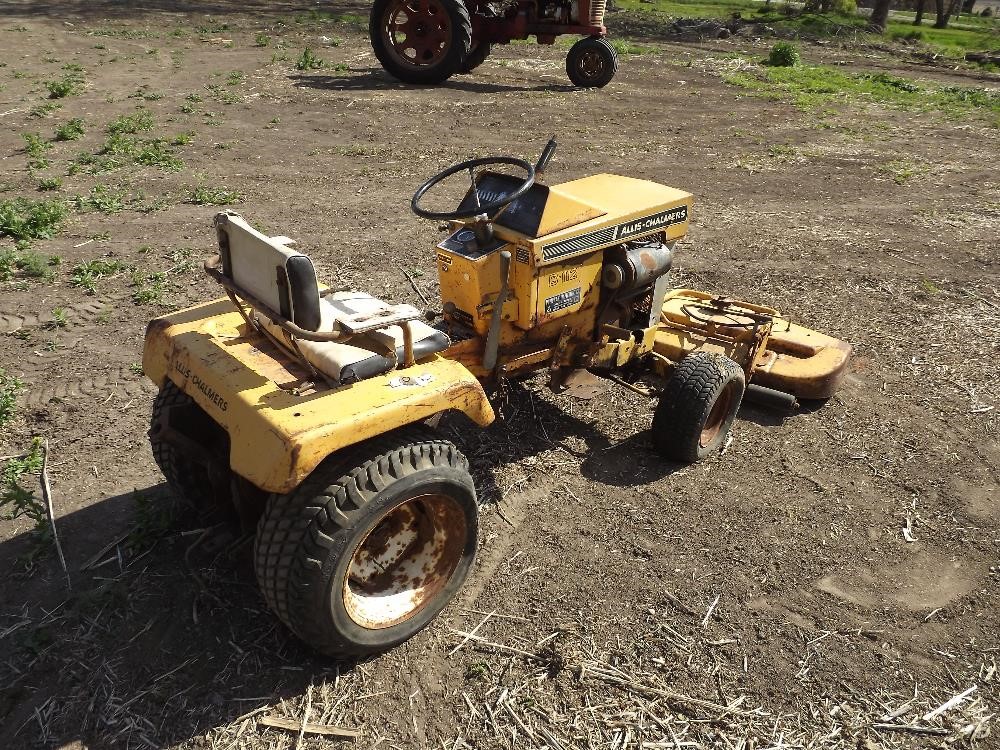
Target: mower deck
column 793, row 359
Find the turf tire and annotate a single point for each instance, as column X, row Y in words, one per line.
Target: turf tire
column 697, row 407
column 187, row 479
column 306, row 539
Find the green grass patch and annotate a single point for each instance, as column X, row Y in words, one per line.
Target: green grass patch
column 26, row 220
column 140, row 121
column 36, row 147
column 308, row 61
column 86, row 275
column 22, row 263
column 903, row 170
column 149, row 287
column 70, row 83
column 813, row 86
column 49, row 183
column 71, row 131
column 16, row 501
column 950, row 41
column 44, row 110
column 10, row 386
column 122, row 148
column 213, row 196
column 104, row 199
column 784, row 55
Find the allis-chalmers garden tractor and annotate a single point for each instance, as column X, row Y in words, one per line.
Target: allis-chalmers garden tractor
column 428, row 41
column 307, row 410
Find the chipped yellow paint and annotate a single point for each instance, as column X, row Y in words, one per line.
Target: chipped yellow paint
column 276, row 437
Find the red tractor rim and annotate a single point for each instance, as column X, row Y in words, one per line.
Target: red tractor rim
column 417, row 32
column 716, row 417
column 591, row 64
column 405, row 561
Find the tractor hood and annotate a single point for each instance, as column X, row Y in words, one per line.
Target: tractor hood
column 605, row 209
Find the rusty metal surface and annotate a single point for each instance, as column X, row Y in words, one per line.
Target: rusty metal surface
column 583, row 385
column 405, row 561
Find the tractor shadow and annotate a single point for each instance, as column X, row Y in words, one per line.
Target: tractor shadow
column 162, row 638
column 375, row 79
column 529, row 423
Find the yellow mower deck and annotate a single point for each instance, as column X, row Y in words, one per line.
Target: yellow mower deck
column 277, row 438
column 793, row 359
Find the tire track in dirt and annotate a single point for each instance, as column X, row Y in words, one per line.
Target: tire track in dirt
column 121, row 380
column 83, row 313
column 41, row 386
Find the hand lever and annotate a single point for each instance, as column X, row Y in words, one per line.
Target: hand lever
column 543, row 160
column 493, row 338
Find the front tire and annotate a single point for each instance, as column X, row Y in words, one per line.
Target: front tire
column 592, row 62
column 420, row 41
column 697, row 407
column 372, row 546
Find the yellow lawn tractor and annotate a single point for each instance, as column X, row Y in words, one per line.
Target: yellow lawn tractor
column 307, row 410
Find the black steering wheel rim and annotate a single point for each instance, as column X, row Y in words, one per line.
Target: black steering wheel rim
column 491, row 208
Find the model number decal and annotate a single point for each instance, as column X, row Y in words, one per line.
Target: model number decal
column 562, row 300
column 197, row 382
column 568, row 274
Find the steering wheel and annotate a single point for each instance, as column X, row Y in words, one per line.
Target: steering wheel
column 492, row 208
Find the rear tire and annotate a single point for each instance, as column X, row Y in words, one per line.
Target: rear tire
column 372, row 546
column 429, row 63
column 592, row 62
column 697, row 407
column 190, row 480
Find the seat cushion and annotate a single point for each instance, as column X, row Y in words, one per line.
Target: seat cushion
column 363, row 356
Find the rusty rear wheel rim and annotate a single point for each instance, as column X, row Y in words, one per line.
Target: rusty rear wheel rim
column 417, row 32
column 716, row 417
column 405, row 561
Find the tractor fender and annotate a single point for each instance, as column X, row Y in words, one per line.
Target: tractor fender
column 278, row 437
column 370, row 408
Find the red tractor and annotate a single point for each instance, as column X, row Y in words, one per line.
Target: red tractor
column 428, row 41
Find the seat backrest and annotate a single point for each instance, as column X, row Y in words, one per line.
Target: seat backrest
column 265, row 267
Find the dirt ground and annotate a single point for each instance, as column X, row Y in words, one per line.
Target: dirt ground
column 767, row 597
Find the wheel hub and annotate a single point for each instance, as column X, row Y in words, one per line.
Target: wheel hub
column 404, row 561
column 716, row 417
column 591, row 64
column 418, row 32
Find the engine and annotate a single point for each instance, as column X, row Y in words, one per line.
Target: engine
column 634, row 282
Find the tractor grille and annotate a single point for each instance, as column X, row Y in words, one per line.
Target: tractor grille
column 597, row 8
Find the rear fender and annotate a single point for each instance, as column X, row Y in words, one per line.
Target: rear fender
column 277, row 438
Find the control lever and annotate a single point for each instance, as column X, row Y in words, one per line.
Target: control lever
column 493, row 337
column 545, row 158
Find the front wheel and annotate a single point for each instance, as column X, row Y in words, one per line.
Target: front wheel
column 697, row 407
column 372, row 546
column 592, row 62
column 420, row 41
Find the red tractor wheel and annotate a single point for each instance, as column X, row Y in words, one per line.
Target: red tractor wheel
column 420, row 41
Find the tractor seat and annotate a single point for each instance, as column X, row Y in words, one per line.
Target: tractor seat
column 285, row 281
